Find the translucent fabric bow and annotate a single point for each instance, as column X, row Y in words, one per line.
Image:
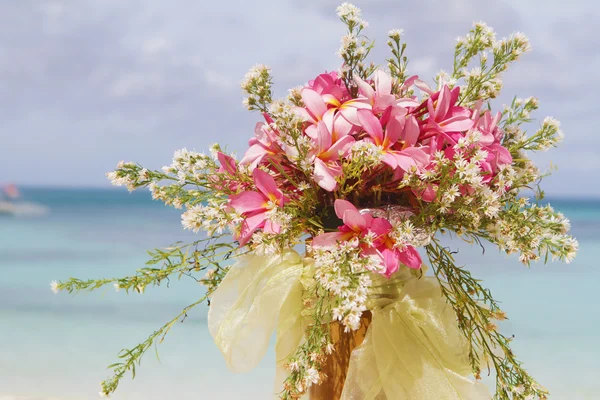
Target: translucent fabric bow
column 413, row 349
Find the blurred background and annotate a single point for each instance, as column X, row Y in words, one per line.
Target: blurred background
column 87, row 83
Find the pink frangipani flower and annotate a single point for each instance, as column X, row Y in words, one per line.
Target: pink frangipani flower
column 381, row 97
column 228, row 164
column 390, row 254
column 265, row 144
column 255, row 206
column 446, row 121
column 357, row 226
column 331, row 87
column 397, row 141
column 329, row 145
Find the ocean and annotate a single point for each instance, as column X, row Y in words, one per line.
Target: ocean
column 58, row 346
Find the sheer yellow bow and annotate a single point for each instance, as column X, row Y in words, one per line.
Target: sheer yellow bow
column 413, row 349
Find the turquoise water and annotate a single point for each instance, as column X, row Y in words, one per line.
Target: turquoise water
column 58, row 346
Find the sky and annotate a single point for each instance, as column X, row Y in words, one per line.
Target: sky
column 86, row 83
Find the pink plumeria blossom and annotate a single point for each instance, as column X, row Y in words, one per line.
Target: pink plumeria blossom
column 331, row 87
column 381, row 97
column 390, row 254
column 319, row 107
column 446, row 120
column 264, row 145
column 491, row 141
column 228, row 164
column 327, row 152
column 228, row 167
column 397, row 141
column 255, row 206
column 357, row 226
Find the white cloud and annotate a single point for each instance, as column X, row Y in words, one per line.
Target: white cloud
column 135, row 84
column 218, row 80
column 153, row 46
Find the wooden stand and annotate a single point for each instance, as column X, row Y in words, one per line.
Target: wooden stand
column 336, row 366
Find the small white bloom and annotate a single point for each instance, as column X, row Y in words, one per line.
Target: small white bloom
column 312, row 375
column 395, row 34
column 347, row 10
column 329, row 348
column 54, row 287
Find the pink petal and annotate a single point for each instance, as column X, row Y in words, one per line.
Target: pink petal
column 368, row 218
column 457, row 124
column 430, row 109
column 331, row 98
column 390, row 160
column 364, row 88
column 418, row 154
column 406, row 103
column 454, row 94
column 247, row 202
column 271, row 227
column 386, row 116
column 443, row 104
column 371, row 125
column 393, row 130
column 411, row 131
column 355, row 221
column 267, row 118
column 341, row 146
column 486, row 138
column 331, row 238
column 350, row 115
column 341, row 206
column 427, row 195
column 323, row 175
column 391, row 261
column 328, row 119
column 341, row 127
column 311, row 131
column 423, row 86
column 503, row 156
column 383, row 83
column 495, row 121
column 304, row 114
column 323, row 138
column 404, row 160
column 254, row 152
column 410, row 81
column 410, row 257
column 380, row 226
column 349, row 109
column 249, row 226
column 266, row 184
column 313, row 102
column 227, row 162
column 384, row 101
column 291, row 151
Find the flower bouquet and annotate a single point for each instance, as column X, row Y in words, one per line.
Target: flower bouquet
column 318, row 232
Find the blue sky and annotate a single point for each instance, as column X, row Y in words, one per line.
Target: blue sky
column 86, row 83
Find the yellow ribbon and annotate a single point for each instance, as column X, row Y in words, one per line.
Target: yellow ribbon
column 413, row 349
column 248, row 303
